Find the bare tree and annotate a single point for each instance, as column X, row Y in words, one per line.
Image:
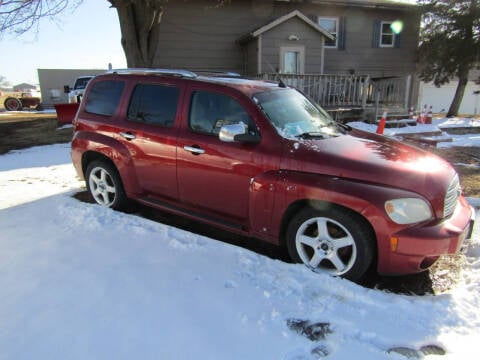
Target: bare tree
column 20, row 16
column 140, row 28
column 139, row 22
column 4, row 82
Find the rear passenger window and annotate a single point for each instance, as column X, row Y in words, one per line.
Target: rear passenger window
column 154, row 104
column 104, row 97
column 210, row 111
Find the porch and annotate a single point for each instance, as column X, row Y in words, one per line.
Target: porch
column 347, row 96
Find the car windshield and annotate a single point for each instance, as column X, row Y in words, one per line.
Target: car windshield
column 294, row 116
column 81, row 83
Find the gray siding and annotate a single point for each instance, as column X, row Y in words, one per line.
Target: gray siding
column 251, row 57
column 200, row 35
column 359, row 53
column 278, row 37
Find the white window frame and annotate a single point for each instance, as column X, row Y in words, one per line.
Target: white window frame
column 301, row 58
column 337, row 25
column 381, row 44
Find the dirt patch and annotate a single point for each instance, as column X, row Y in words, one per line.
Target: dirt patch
column 466, row 161
column 23, row 130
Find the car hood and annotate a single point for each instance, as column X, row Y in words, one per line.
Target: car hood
column 368, row 157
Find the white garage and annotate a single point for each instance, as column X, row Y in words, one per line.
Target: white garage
column 441, row 98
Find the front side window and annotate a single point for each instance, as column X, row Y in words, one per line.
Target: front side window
column 295, row 117
column 331, row 25
column 386, row 34
column 210, row 111
column 154, row 104
column 104, row 97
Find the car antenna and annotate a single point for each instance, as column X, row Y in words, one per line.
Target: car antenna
column 277, row 73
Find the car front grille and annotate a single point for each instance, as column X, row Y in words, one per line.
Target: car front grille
column 451, row 197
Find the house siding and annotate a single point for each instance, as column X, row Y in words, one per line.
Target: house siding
column 199, row 36
column 359, row 54
column 277, row 37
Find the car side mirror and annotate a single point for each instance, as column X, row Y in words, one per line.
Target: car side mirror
column 66, row 89
column 237, row 133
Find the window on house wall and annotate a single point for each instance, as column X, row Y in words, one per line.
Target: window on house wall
column 331, row 25
column 387, row 37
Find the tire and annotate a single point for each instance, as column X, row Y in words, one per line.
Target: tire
column 104, row 185
column 334, row 241
column 12, row 104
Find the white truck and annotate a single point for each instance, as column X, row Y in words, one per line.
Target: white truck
column 75, row 94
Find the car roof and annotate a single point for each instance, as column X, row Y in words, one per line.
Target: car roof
column 228, row 79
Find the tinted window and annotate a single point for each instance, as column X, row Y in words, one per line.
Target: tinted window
column 104, row 97
column 81, row 83
column 154, row 104
column 210, row 111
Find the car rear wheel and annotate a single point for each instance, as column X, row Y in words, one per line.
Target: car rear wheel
column 12, row 104
column 105, row 186
column 333, row 241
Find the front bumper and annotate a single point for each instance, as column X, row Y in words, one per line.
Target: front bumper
column 417, row 248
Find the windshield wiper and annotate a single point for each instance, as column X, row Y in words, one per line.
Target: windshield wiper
column 311, row 135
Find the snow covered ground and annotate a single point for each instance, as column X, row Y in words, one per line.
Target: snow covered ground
column 438, row 124
column 78, row 281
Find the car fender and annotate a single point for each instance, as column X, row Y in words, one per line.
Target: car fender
column 290, row 189
column 87, row 144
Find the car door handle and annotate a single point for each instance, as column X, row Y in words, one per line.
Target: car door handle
column 127, row 135
column 195, row 150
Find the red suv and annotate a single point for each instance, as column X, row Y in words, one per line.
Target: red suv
column 260, row 159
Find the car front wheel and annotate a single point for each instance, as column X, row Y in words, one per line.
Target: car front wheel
column 332, row 240
column 105, row 186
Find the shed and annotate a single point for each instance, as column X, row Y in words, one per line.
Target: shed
column 290, row 44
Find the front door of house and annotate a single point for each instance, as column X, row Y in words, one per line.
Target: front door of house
column 292, row 59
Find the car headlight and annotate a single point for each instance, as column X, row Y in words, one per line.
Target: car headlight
column 408, row 211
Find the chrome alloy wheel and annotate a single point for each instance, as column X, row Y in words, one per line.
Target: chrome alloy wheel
column 102, row 186
column 324, row 244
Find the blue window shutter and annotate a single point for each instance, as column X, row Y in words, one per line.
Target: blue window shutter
column 397, row 40
column 377, row 24
column 314, row 18
column 341, row 33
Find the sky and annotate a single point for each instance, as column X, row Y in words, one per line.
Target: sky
column 88, row 38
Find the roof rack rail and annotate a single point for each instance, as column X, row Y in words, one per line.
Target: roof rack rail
column 214, row 73
column 153, row 71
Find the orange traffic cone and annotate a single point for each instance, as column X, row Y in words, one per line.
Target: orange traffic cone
column 411, row 113
column 381, row 124
column 422, row 117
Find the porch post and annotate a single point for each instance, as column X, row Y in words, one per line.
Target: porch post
column 259, row 54
column 408, row 87
column 322, row 60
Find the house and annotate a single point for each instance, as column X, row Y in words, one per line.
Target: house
column 359, row 40
column 24, row 87
column 198, row 35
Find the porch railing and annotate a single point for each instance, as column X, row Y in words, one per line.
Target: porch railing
column 354, row 91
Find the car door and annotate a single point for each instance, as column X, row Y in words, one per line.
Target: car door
column 214, row 176
column 150, row 132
